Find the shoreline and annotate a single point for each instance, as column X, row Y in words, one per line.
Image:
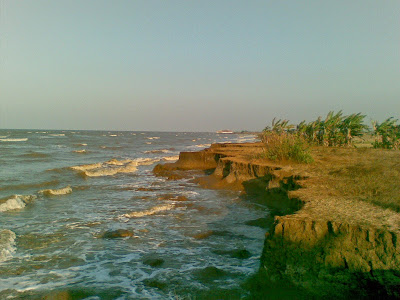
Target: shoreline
column 319, row 241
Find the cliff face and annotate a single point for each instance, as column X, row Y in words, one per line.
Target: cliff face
column 324, row 256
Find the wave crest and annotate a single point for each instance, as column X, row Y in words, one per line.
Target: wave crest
column 16, row 202
column 7, row 244
column 83, row 151
column 157, row 151
column 113, row 167
column 14, row 140
column 169, row 158
column 151, row 211
column 56, row 192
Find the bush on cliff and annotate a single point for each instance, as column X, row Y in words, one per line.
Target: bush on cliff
column 287, row 146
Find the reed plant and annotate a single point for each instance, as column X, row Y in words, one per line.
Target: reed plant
column 387, row 134
column 287, row 146
column 334, row 130
column 288, row 141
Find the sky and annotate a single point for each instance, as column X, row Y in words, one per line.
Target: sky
column 195, row 65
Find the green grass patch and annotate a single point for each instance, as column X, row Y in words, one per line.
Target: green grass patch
column 286, row 146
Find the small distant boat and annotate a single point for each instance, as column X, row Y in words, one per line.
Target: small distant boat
column 225, row 131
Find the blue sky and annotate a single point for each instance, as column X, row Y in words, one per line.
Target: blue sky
column 195, row 65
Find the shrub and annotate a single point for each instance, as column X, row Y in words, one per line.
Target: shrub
column 287, row 146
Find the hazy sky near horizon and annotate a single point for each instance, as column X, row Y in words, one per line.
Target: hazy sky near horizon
column 195, row 65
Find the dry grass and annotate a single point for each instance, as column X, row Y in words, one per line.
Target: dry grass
column 352, row 185
column 371, row 175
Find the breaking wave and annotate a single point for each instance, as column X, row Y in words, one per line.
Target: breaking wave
column 14, row 140
column 151, row 211
column 168, row 158
column 16, row 202
column 57, row 134
column 157, row 151
column 7, row 244
column 113, row 167
column 56, row 192
column 203, row 145
column 83, row 151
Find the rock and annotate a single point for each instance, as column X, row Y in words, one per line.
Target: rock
column 154, row 262
column 203, row 235
column 58, row 295
column 260, row 222
column 209, row 273
column 119, row 233
column 155, row 284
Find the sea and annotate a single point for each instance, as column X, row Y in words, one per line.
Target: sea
column 61, row 192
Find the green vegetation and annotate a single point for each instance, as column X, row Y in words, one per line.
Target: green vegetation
column 387, row 134
column 286, row 146
column 286, row 141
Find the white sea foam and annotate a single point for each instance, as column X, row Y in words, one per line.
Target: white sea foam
column 16, row 202
column 157, row 151
column 57, row 134
column 56, row 192
column 202, row 145
column 7, row 244
column 83, row 151
column 168, row 158
column 14, row 140
column 151, row 211
column 113, row 167
column 153, row 138
column 113, row 135
column 146, row 161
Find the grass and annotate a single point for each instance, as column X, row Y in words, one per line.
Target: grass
column 285, row 146
column 365, row 174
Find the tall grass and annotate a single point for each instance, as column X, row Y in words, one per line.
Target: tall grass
column 287, row 146
column 338, row 130
column 387, row 134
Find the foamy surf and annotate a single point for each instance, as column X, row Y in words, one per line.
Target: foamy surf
column 157, row 151
column 169, row 158
column 14, row 140
column 56, row 192
column 16, row 202
column 83, row 151
column 7, row 244
column 151, row 211
column 113, row 167
column 203, row 145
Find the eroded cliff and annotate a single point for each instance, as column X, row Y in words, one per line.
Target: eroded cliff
column 330, row 247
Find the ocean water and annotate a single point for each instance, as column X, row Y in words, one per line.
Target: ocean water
column 60, row 191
